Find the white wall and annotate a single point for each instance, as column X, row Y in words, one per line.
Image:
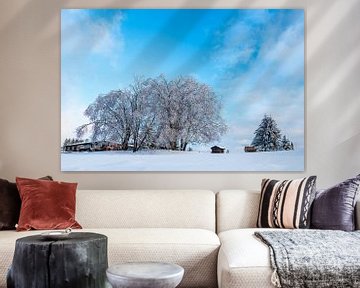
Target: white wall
column 30, row 94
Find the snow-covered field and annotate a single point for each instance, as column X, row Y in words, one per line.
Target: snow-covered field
column 182, row 161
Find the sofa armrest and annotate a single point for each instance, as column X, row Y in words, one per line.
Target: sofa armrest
column 357, row 215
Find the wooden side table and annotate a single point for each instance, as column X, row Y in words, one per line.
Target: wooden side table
column 145, row 275
column 78, row 261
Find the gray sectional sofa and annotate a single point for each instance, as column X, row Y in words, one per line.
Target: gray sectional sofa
column 209, row 234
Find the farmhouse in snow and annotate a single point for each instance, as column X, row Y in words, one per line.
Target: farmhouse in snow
column 92, row 146
column 250, row 149
column 217, row 149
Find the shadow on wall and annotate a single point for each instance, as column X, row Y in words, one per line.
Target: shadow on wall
column 329, row 78
column 337, row 33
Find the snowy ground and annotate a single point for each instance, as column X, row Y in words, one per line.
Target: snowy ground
column 182, row 161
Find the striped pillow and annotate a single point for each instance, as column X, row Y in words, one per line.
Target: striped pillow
column 286, row 204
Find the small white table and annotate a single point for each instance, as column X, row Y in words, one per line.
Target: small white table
column 145, row 275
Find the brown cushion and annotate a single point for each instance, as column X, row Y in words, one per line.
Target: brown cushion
column 46, row 204
column 10, row 203
column 286, row 204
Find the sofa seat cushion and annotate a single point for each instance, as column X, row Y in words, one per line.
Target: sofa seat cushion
column 244, row 261
column 196, row 250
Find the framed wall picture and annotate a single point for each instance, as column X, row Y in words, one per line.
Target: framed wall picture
column 182, row 90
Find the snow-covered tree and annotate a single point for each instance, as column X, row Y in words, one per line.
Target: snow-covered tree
column 286, row 144
column 143, row 113
column 66, row 141
column 267, row 135
column 156, row 113
column 201, row 117
column 109, row 118
column 168, row 124
column 190, row 112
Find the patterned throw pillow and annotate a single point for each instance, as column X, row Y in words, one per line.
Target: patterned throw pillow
column 286, row 204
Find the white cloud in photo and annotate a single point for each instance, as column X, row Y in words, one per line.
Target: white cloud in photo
column 237, row 46
column 72, row 110
column 83, row 34
column 284, row 45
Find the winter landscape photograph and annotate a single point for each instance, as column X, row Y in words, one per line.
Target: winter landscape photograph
column 182, row 90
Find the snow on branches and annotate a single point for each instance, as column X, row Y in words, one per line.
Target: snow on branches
column 156, row 113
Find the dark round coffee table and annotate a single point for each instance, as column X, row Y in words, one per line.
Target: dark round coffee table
column 79, row 260
column 145, row 275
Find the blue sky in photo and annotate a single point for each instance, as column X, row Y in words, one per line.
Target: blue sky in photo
column 253, row 60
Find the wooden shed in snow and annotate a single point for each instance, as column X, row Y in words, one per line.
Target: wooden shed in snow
column 250, row 149
column 217, row 149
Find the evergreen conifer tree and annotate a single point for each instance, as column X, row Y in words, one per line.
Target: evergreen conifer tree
column 267, row 136
column 286, row 144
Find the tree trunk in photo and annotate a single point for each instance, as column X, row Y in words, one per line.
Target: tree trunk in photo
column 125, row 144
column 173, row 145
column 183, row 145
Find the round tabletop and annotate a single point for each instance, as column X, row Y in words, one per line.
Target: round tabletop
column 73, row 237
column 145, row 274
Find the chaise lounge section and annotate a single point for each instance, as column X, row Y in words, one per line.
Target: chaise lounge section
column 244, row 260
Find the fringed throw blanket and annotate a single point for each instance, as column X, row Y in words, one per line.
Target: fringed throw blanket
column 313, row 258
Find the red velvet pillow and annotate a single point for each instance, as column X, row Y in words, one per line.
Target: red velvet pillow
column 10, row 204
column 46, row 204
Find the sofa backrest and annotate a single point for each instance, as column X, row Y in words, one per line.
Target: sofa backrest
column 236, row 209
column 146, row 209
column 239, row 209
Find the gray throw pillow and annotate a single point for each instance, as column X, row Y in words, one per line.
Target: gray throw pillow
column 334, row 208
